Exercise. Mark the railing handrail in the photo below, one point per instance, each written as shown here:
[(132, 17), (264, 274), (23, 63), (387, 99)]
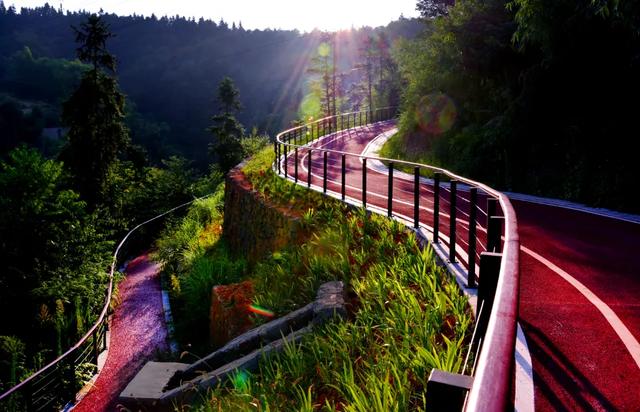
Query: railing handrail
[(105, 308), (491, 390)]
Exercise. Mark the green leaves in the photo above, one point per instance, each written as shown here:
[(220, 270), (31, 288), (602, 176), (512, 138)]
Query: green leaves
[(407, 314)]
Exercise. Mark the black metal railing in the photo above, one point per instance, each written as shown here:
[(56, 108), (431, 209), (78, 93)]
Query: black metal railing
[(57, 383), (441, 205)]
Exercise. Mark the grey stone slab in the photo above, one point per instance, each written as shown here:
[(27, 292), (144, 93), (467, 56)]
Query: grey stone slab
[(247, 363), (330, 302), (147, 385), (246, 343)]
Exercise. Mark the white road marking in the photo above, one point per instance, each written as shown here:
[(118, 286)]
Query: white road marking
[(618, 326), (525, 394)]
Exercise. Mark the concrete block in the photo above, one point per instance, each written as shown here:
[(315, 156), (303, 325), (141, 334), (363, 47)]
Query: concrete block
[(330, 302), (147, 386)]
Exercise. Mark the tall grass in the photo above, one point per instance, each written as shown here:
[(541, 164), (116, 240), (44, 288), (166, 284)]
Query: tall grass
[(406, 315), (195, 259)]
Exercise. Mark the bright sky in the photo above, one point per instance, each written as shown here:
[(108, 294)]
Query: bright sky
[(303, 15)]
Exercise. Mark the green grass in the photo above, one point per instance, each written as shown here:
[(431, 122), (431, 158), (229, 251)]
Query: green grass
[(195, 259), (406, 315)]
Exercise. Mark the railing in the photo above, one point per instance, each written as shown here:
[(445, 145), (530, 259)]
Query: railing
[(452, 204), (56, 384)]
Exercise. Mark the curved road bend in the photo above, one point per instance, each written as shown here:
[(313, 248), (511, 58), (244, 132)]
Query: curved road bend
[(138, 330), (580, 282)]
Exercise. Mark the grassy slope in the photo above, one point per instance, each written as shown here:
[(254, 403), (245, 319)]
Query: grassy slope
[(406, 317)]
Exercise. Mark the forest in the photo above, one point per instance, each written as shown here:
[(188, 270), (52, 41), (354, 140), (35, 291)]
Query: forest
[(169, 68), (106, 121)]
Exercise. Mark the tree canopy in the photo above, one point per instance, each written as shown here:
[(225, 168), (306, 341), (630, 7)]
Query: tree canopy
[(537, 93), (94, 115)]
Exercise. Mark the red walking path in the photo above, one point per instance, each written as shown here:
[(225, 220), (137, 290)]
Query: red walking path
[(138, 330), (580, 282)]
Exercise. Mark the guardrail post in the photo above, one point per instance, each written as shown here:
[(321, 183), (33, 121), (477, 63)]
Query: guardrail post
[(494, 233), (452, 220), (364, 182), (447, 391), (416, 197), (309, 169), (436, 207), (341, 122), (96, 345), (390, 195), (104, 334), (28, 396), (473, 201), (492, 204), (71, 375), (285, 161), (295, 167), (344, 173), (489, 273), (277, 149), (324, 174), (360, 118)]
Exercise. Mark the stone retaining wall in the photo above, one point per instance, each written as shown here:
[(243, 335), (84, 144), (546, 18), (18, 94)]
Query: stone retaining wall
[(253, 226)]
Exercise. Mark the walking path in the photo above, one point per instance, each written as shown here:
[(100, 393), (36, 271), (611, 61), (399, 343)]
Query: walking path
[(580, 289), (138, 331)]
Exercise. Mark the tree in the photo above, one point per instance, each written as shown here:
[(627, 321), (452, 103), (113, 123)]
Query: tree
[(94, 114), (226, 129), (434, 8), (323, 66), (380, 79), (50, 250)]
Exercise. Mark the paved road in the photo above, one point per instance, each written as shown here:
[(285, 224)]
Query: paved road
[(580, 282), (138, 331)]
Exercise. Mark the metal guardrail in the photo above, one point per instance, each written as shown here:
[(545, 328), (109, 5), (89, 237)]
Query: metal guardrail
[(494, 245), (53, 386)]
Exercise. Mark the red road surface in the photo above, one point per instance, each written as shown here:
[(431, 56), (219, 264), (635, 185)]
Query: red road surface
[(579, 361), (138, 331)]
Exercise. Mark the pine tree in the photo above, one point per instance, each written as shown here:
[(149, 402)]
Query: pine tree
[(226, 129), (323, 66), (94, 114)]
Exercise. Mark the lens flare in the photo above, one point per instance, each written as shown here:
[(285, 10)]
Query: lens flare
[(436, 113), (324, 49), (260, 311), (310, 105), (240, 381)]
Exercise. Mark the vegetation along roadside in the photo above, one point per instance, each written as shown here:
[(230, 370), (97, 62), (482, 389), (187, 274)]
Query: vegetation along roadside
[(406, 315)]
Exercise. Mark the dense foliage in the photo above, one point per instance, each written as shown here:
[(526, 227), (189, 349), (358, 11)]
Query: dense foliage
[(53, 255), (533, 96)]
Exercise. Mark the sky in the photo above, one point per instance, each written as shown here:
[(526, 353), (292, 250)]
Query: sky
[(303, 15)]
